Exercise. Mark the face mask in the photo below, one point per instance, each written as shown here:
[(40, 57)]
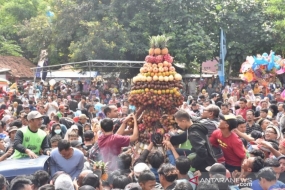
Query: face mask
[(9, 108), (57, 131)]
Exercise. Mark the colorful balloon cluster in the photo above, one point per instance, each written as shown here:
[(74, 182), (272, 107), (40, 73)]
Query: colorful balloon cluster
[(262, 67)]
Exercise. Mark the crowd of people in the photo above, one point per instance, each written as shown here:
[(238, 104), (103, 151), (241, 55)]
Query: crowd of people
[(225, 137)]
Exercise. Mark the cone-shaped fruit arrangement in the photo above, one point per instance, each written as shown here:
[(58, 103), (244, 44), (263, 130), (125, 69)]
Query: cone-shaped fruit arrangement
[(157, 86)]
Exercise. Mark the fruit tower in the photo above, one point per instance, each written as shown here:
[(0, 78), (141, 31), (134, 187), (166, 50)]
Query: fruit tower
[(157, 89)]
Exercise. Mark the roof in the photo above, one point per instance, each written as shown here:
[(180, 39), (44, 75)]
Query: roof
[(19, 66)]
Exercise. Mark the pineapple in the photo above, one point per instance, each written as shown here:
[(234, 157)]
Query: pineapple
[(157, 50), (100, 166), (164, 49), (152, 45)]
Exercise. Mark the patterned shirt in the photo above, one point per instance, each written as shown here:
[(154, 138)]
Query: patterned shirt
[(255, 126)]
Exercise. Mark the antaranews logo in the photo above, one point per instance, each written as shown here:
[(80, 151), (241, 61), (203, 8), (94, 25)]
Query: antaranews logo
[(245, 182)]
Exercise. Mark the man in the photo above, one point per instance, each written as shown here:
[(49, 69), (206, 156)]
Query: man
[(183, 165), (26, 108), (60, 112), (88, 139), (192, 87), (110, 144), (42, 111), (21, 183), (195, 110), (90, 112), (125, 110), (67, 159), (225, 109), (111, 111), (275, 166), (278, 97), (242, 110), (82, 103), (229, 142), (9, 140), (214, 98), (82, 119), (267, 179), (97, 106), (250, 166), (31, 140), (280, 114), (146, 180), (198, 137), (250, 124)]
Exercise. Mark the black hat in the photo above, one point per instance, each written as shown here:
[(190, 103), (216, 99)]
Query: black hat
[(88, 135), (76, 143), (230, 119)]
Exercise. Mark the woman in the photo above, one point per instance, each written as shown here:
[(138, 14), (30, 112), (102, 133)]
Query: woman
[(86, 127), (263, 123), (71, 130), (55, 130)]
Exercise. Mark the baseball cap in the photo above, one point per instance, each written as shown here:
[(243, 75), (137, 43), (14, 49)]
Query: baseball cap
[(88, 135), (217, 168), (76, 143), (83, 116), (139, 168), (230, 119), (34, 115)]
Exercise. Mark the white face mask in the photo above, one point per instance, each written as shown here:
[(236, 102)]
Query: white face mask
[(57, 131)]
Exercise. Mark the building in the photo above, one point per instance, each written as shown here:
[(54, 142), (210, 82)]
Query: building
[(15, 68)]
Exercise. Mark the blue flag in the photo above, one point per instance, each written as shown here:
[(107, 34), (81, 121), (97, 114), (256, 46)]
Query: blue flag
[(223, 52)]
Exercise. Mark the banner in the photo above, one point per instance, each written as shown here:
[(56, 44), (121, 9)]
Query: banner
[(223, 52)]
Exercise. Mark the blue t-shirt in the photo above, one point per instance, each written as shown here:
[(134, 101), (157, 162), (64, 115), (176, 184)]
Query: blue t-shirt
[(2, 136), (256, 185)]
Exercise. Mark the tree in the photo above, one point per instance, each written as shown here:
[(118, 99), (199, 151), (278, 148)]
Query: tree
[(275, 11)]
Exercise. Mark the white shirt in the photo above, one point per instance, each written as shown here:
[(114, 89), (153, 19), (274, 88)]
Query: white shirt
[(52, 108)]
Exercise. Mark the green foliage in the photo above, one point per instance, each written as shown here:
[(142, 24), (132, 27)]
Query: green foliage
[(83, 30), (9, 47), (275, 11)]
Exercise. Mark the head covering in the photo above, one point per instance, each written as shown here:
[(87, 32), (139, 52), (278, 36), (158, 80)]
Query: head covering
[(64, 182), (14, 128), (34, 115), (76, 143), (83, 116), (139, 168), (230, 119), (276, 130), (133, 186)]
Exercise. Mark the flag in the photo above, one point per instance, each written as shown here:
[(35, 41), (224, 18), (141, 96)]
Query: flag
[(223, 52)]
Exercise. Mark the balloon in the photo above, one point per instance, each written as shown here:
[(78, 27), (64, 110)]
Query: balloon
[(52, 82)]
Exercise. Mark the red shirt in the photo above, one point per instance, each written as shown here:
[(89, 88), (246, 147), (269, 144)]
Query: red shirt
[(110, 147), (232, 147), (241, 112)]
